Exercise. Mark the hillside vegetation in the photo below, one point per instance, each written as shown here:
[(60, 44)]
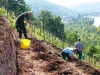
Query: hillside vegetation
[(74, 27), (92, 8), (67, 31), (39, 5)]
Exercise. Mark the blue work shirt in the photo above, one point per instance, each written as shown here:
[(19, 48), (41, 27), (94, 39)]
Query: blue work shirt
[(68, 50)]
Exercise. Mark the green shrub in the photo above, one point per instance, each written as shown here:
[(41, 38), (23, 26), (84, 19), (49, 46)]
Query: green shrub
[(3, 12)]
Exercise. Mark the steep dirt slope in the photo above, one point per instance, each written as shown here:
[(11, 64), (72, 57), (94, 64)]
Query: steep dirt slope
[(43, 58), (7, 49)]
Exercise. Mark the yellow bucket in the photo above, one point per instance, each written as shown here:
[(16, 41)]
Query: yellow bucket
[(25, 43)]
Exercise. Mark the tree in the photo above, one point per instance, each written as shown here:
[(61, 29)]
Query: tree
[(56, 27), (97, 56), (92, 50), (17, 6), (44, 16), (71, 38), (52, 23)]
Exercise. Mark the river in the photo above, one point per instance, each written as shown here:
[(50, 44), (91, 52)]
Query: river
[(96, 21)]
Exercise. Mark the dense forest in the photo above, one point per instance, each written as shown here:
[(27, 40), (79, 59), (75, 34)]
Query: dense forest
[(67, 30)]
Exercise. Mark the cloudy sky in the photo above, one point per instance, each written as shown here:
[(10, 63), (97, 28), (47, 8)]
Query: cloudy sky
[(70, 2)]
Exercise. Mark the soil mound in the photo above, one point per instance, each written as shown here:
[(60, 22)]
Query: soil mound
[(53, 66), (7, 49), (89, 69), (45, 59), (37, 47)]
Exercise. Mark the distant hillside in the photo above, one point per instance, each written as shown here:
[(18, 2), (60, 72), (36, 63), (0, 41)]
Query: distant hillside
[(38, 5), (87, 7)]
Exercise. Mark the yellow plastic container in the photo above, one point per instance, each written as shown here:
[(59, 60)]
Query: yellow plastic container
[(25, 43)]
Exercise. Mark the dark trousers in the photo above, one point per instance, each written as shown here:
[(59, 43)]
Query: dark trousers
[(79, 54), (64, 55), (21, 29)]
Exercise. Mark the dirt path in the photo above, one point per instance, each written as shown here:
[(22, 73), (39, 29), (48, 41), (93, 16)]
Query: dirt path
[(44, 58)]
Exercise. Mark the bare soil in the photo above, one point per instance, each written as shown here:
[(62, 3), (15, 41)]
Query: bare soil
[(43, 58)]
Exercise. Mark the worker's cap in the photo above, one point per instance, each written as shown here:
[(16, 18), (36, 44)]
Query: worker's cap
[(30, 13), (78, 39)]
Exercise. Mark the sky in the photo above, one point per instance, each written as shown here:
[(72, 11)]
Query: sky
[(67, 3)]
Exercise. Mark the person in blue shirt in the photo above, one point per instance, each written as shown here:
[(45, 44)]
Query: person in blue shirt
[(20, 25), (68, 52)]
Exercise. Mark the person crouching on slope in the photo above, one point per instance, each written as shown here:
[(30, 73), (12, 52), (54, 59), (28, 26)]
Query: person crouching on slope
[(68, 52)]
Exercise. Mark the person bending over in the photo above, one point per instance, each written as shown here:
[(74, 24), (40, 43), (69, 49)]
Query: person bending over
[(68, 52), (20, 25)]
